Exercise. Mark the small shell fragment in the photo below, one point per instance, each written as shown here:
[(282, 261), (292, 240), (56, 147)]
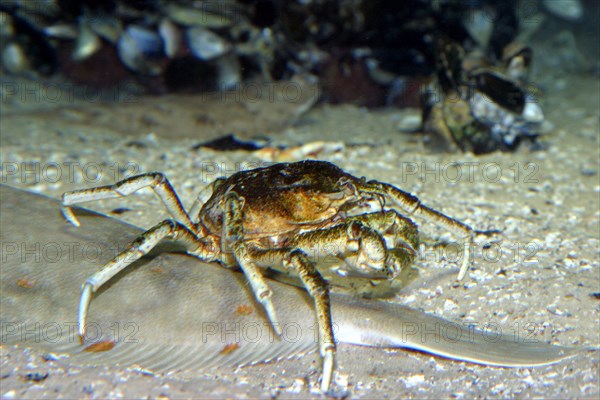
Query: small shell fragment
[(61, 31), (7, 28), (410, 121), (571, 10), (533, 113), (295, 153), (25, 283), (104, 345), (480, 24), (171, 37), (244, 309), (107, 28), (205, 44), (139, 48), (229, 348), (230, 71), (196, 17), (14, 59), (87, 43)]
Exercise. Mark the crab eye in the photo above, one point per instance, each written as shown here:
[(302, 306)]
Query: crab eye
[(348, 188)]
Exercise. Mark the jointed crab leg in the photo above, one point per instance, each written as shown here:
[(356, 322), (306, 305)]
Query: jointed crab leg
[(297, 260), (413, 205), (318, 289), (155, 180), (136, 250)]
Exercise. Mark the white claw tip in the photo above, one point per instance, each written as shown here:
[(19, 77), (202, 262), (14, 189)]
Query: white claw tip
[(327, 372), (67, 213), (86, 297)]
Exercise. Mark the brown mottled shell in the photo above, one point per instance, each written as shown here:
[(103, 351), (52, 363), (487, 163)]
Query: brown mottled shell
[(284, 198)]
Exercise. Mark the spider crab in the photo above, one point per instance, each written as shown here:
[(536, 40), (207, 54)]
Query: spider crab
[(285, 217)]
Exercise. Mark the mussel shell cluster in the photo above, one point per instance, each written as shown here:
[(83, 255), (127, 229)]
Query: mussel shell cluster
[(480, 106), (147, 38), (370, 53), (351, 43)]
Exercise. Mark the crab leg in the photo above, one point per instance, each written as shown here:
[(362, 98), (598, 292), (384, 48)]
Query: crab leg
[(233, 236), (413, 205), (136, 250), (297, 260), (155, 180), (318, 289)]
